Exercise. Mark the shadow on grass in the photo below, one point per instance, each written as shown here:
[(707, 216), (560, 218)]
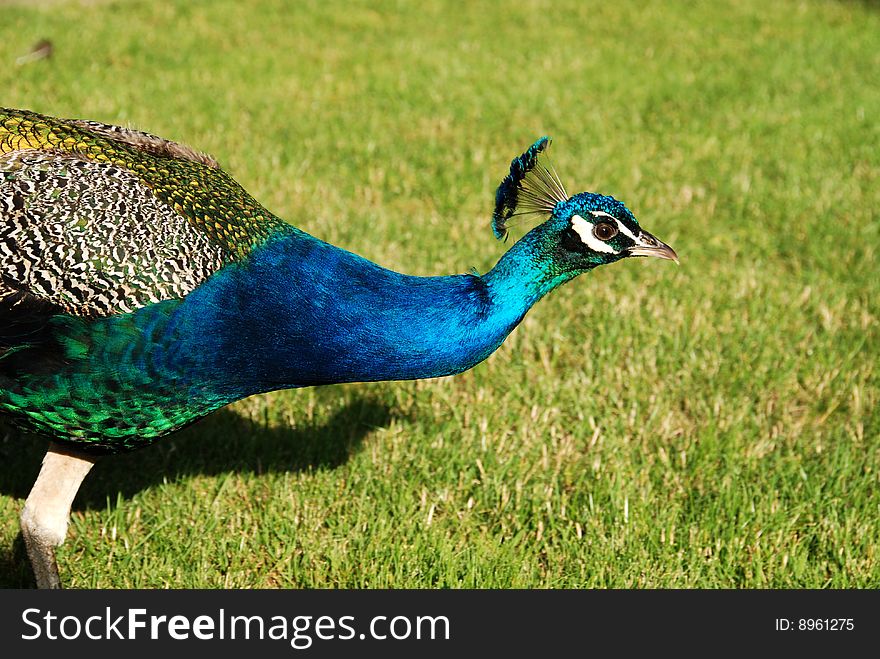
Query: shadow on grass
[(221, 443), (867, 4)]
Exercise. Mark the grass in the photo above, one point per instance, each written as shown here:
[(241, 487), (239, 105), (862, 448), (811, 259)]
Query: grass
[(714, 425)]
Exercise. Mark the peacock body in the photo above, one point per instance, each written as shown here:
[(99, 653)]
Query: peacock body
[(142, 288)]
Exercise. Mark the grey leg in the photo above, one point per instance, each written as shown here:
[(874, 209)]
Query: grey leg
[(46, 512)]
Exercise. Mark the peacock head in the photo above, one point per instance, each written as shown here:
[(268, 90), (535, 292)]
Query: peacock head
[(589, 229)]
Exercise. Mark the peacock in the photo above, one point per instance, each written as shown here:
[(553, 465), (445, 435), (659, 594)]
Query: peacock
[(142, 288)]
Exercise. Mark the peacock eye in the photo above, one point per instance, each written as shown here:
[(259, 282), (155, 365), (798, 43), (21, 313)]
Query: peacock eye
[(604, 231)]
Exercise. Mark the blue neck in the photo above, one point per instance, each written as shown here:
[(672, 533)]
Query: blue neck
[(525, 274), (301, 312)]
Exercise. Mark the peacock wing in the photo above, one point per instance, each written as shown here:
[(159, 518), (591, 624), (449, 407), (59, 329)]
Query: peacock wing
[(98, 219)]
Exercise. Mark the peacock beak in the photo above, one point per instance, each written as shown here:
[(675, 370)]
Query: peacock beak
[(648, 245)]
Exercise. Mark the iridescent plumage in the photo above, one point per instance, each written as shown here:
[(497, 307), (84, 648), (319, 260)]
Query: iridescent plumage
[(142, 288)]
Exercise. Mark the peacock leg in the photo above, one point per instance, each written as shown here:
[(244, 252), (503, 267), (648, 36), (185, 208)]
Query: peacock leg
[(46, 512)]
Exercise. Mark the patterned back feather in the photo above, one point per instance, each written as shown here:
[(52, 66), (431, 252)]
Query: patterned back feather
[(98, 219)]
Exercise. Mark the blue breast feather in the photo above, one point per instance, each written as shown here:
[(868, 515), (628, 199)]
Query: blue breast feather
[(301, 312)]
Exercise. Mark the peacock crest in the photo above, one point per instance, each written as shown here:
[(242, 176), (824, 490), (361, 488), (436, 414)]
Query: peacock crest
[(531, 188)]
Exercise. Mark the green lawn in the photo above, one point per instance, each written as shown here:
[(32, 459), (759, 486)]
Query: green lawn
[(713, 425)]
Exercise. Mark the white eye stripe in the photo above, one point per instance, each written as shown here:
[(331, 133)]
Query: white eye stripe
[(620, 226), (585, 230), (602, 214)]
